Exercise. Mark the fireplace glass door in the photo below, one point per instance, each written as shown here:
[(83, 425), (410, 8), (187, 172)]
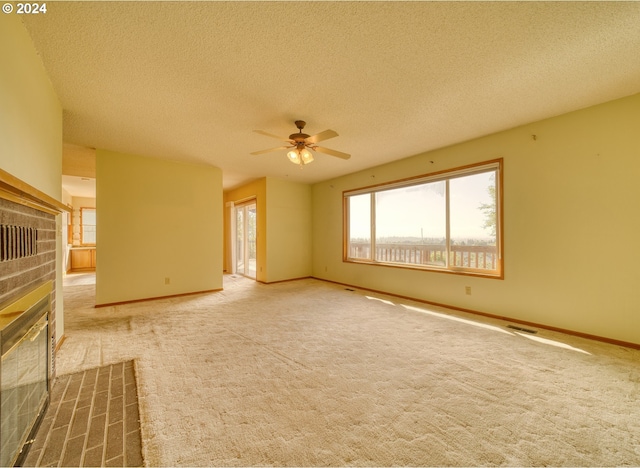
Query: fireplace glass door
[(24, 380)]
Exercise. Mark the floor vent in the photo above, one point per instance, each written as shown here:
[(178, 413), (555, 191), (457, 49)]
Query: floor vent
[(526, 330)]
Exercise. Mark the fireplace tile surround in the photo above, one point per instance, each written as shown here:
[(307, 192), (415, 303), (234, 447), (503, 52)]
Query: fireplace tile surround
[(19, 275)]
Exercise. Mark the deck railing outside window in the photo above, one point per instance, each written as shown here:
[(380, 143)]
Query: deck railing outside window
[(483, 257)]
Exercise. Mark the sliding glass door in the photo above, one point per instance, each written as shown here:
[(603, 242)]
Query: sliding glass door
[(245, 242)]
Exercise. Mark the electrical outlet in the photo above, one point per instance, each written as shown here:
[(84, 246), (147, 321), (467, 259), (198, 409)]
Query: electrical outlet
[(467, 290), (167, 281)]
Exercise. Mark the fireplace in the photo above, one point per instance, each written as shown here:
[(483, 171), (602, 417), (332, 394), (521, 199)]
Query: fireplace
[(24, 370), (28, 337)]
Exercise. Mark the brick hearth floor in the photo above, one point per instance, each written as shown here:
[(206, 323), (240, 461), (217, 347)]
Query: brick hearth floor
[(92, 420)]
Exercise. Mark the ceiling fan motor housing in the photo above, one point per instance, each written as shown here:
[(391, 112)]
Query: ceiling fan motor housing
[(299, 137)]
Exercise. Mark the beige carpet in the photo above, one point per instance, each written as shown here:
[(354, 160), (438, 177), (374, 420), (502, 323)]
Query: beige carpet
[(307, 373)]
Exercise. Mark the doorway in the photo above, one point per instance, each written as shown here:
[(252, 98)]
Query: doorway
[(245, 239)]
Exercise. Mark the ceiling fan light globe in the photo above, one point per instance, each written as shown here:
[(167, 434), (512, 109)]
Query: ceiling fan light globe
[(294, 157), (306, 156)]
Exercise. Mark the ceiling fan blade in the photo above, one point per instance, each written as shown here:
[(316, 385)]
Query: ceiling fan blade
[(255, 153), (335, 153), (261, 132), (321, 136)]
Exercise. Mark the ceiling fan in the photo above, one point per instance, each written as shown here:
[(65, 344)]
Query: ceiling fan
[(300, 143)]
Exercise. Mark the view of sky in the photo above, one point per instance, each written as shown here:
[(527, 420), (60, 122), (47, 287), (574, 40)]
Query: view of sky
[(420, 211)]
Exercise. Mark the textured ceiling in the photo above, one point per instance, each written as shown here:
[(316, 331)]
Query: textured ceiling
[(79, 169), (79, 186), (78, 161), (189, 81)]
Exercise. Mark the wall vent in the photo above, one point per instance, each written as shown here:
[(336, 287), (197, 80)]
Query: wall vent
[(17, 242)]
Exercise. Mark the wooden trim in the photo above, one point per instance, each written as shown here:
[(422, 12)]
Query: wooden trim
[(59, 342), (284, 281), (245, 201), (428, 174), (133, 301), (345, 228), (432, 269), (22, 201), (500, 216), (18, 191), (626, 344)]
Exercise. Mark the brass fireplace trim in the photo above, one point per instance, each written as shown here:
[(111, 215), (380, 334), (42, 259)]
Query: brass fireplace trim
[(12, 310)]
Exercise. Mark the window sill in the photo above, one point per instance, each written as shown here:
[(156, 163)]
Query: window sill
[(494, 274)]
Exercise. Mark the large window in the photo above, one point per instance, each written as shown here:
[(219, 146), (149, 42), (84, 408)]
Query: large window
[(449, 221)]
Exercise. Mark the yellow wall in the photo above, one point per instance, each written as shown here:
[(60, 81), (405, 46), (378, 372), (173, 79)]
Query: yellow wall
[(66, 240), (283, 228), (288, 230), (571, 224), (156, 219), (30, 126), (31, 117)]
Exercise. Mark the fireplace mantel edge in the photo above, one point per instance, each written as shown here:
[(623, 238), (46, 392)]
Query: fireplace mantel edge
[(18, 191)]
